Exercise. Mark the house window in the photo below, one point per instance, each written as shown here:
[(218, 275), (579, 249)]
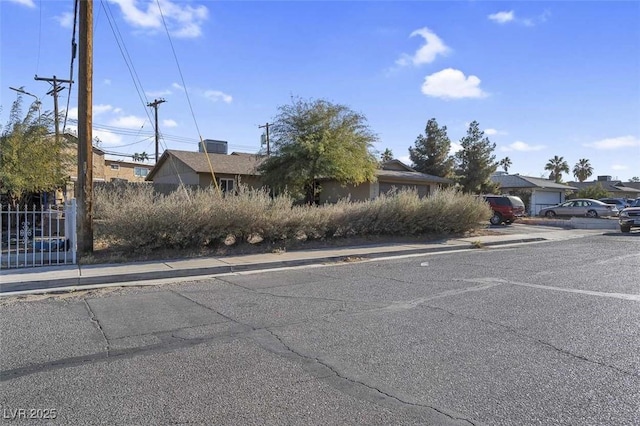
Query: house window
[(115, 167), (140, 171), (226, 185)]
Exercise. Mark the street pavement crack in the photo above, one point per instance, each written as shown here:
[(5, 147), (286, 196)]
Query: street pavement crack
[(369, 387), (235, 321), (96, 322), (516, 332)]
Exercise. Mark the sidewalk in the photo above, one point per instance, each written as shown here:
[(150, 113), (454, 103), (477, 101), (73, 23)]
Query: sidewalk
[(75, 277)]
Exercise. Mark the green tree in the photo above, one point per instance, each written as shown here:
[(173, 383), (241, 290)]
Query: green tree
[(475, 162), (143, 156), (430, 152), (582, 170), (318, 139), (592, 191), (557, 165), (505, 163), (31, 159), (387, 155), (635, 179)]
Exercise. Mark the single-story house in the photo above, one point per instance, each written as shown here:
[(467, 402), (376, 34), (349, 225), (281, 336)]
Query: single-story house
[(615, 188), (393, 174), (542, 192), (194, 169)]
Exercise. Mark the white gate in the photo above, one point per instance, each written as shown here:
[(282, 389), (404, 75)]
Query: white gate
[(38, 237)]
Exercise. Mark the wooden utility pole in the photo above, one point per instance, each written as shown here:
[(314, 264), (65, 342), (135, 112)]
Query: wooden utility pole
[(266, 126), (55, 82), (154, 105), (84, 188)]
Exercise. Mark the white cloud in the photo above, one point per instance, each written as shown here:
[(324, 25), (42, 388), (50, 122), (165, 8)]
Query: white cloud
[(65, 20), (615, 143), (129, 122), (106, 82), (452, 84), (455, 147), (493, 132), (169, 123), (216, 95), (72, 113), (427, 53), (619, 167), (502, 17), (183, 20), (522, 146), (510, 16), (101, 109), (406, 160), (107, 138), (28, 3)]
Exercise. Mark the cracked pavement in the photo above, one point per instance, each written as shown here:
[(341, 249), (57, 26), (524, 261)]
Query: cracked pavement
[(543, 333)]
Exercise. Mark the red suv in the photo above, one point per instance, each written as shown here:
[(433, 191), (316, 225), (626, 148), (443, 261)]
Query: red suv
[(506, 208)]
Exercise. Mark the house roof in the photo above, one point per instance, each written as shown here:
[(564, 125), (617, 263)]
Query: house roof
[(519, 181), (246, 164), (396, 169), (608, 185), (411, 176), (236, 163)]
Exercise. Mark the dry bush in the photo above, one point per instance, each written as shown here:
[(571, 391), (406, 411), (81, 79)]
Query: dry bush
[(136, 218)]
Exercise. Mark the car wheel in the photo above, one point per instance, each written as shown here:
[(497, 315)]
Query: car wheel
[(592, 213), (550, 213), (496, 219), (625, 229)]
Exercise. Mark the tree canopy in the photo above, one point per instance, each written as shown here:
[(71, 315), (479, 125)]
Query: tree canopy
[(387, 155), (31, 159), (582, 170), (475, 162), (505, 163), (430, 152), (318, 139), (557, 165)]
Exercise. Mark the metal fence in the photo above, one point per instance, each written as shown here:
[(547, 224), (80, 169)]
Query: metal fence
[(38, 237)]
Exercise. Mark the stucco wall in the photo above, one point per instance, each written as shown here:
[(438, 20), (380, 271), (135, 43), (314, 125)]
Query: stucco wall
[(124, 171), (332, 192), (167, 173)]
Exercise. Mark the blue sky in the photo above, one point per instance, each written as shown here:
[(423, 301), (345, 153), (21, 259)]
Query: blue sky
[(542, 78)]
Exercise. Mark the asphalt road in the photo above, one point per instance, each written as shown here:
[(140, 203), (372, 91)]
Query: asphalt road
[(545, 333)]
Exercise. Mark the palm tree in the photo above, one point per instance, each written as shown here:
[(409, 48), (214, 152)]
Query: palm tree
[(505, 163), (387, 155), (140, 157), (582, 170), (557, 165)]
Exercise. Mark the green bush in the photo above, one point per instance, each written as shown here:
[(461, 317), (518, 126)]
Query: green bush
[(137, 218)]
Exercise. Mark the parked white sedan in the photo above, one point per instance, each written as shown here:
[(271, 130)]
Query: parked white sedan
[(580, 207)]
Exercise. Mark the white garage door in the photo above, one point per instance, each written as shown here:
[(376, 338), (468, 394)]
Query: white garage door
[(542, 199)]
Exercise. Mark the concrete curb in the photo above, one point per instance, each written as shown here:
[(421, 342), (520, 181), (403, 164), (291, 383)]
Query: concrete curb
[(88, 281)]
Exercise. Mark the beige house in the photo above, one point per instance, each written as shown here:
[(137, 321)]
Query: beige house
[(124, 171), (392, 175), (193, 168)]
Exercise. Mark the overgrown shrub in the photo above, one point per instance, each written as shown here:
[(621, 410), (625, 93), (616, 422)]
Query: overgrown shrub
[(137, 218)]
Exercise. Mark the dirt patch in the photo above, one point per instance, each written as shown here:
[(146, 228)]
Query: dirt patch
[(105, 254)]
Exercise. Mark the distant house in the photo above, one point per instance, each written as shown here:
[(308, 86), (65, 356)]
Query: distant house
[(125, 171), (392, 174), (194, 168), (615, 188), (541, 192)]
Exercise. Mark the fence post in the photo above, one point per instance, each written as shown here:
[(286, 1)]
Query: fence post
[(71, 231)]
